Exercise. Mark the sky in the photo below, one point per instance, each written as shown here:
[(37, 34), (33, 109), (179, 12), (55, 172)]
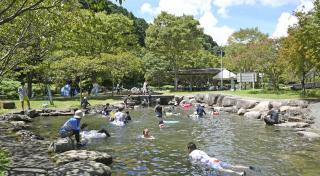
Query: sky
[(220, 18)]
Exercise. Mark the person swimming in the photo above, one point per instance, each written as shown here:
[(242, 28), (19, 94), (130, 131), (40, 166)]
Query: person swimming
[(219, 166), (161, 124), (146, 134)]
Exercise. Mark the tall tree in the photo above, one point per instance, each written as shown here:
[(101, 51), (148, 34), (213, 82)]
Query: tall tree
[(174, 38)]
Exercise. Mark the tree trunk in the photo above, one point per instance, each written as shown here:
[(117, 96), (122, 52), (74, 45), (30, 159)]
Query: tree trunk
[(303, 83), (112, 88), (29, 84), (80, 88)]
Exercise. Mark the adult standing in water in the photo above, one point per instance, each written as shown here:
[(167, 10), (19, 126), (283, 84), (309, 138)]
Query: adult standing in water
[(72, 127), (200, 111), (23, 96)]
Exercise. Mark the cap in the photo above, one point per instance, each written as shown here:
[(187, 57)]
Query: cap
[(78, 114)]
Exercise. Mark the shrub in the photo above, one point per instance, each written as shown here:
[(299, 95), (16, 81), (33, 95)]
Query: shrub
[(9, 88), (4, 161)]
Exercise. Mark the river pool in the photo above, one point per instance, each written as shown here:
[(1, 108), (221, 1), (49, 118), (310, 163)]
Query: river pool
[(231, 138)]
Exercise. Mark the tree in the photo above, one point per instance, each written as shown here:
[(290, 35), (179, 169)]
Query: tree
[(240, 56), (174, 38)]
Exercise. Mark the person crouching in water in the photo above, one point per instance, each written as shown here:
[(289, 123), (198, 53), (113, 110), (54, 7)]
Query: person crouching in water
[(72, 127), (272, 116), (221, 167), (200, 111)]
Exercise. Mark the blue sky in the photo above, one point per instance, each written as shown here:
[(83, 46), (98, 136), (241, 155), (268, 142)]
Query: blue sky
[(220, 18)]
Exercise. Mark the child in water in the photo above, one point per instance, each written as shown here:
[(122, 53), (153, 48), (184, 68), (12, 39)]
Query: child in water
[(219, 166), (146, 134)]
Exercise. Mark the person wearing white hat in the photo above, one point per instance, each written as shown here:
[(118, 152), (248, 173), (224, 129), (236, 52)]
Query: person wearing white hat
[(72, 127)]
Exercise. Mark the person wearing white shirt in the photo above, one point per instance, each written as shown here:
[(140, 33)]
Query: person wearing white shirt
[(23, 96)]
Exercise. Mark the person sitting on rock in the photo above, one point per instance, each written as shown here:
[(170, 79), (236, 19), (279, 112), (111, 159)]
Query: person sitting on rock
[(198, 156), (85, 103), (272, 116), (200, 111), (72, 127)]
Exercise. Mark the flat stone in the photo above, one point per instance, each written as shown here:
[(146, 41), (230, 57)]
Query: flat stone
[(253, 114), (293, 125), (61, 145), (295, 119), (86, 168), (78, 155), (246, 104), (241, 111), (262, 106), (229, 101)]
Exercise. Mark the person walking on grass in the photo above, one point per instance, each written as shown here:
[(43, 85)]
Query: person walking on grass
[(23, 96)]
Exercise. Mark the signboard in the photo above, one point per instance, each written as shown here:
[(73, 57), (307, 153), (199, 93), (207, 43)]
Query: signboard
[(247, 77)]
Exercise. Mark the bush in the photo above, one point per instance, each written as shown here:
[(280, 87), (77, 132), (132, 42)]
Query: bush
[(4, 161), (9, 88)]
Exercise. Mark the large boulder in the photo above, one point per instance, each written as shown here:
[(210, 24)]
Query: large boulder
[(300, 103), (295, 119), (199, 98), (245, 104), (276, 104), (241, 111), (262, 106), (230, 109), (32, 113), (82, 168), (210, 99), (78, 155), (61, 145), (293, 125), (253, 115), (284, 108), (220, 99), (294, 111), (229, 101)]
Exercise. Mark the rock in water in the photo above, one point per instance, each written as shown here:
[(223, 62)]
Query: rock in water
[(79, 155), (82, 168), (61, 145)]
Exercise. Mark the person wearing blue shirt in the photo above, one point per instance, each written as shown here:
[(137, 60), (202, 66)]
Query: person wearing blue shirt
[(72, 127), (200, 111)]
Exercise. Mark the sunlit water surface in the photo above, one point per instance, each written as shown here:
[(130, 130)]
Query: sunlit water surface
[(231, 138)]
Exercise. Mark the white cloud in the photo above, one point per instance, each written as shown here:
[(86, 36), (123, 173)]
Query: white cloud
[(276, 3), (224, 4), (285, 20), (305, 5), (147, 8), (200, 9), (220, 34)]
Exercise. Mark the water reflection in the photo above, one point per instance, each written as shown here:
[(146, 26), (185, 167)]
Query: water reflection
[(228, 137)]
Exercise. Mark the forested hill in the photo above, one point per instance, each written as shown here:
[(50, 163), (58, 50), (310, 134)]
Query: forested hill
[(110, 8)]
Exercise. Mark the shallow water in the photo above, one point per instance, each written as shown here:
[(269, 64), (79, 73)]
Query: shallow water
[(231, 138)]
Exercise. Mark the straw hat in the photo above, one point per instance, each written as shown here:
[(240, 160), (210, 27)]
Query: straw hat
[(78, 114)]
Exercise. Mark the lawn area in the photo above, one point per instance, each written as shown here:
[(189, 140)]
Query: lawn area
[(3, 161), (259, 93), (63, 103)]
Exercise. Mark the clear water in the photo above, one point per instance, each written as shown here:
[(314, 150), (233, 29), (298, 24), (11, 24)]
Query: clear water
[(231, 138)]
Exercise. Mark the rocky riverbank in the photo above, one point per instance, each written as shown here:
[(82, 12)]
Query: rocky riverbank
[(29, 154)]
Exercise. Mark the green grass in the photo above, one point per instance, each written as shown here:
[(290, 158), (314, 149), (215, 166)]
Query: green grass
[(4, 161), (63, 103), (259, 93)]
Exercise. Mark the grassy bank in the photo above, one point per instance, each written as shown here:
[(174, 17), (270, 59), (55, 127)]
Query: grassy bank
[(260, 93), (4, 161), (63, 103)]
